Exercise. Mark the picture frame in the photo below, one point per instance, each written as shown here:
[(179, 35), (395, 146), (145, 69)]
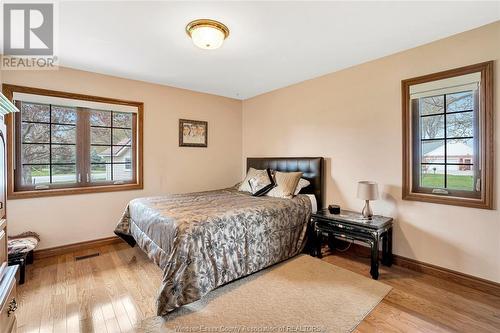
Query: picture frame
[(193, 133)]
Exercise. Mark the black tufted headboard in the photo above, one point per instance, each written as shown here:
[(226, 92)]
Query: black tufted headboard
[(311, 168)]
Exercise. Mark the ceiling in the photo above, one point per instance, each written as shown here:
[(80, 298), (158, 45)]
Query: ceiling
[(271, 45)]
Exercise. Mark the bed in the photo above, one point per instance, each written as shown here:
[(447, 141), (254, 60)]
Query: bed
[(206, 239)]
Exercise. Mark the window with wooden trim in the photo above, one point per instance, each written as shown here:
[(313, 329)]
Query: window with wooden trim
[(448, 130), (66, 143)]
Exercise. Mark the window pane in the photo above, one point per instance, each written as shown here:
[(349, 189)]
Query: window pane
[(63, 154), (63, 174), (63, 115), (459, 151), (35, 112), (122, 136), (100, 154), (100, 118), (35, 133), (432, 176), (35, 154), (35, 175), (459, 124), (100, 172), (432, 151), (100, 135), (63, 134), (121, 173), (460, 101), (430, 105), (432, 127), (460, 177), (122, 119)]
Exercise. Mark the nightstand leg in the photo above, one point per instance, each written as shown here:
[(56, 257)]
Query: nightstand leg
[(331, 242), (311, 239), (319, 236), (389, 247), (374, 258), (384, 248)]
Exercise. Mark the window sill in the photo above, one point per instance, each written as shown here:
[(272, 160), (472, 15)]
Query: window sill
[(483, 203), (71, 191)]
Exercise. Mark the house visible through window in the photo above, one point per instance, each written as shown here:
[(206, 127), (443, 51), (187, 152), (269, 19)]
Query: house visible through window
[(62, 143), (447, 130), (128, 163)]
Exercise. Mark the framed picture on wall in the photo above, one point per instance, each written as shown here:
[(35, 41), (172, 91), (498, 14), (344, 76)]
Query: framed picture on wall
[(193, 133)]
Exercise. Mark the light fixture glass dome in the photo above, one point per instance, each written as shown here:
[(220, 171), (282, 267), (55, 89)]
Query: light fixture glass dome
[(207, 34)]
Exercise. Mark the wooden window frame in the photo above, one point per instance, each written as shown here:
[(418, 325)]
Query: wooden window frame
[(15, 191), (486, 146)]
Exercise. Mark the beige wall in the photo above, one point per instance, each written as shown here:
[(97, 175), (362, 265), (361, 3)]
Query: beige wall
[(167, 167), (353, 118)]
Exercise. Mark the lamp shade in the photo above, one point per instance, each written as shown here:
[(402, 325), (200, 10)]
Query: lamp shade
[(367, 190), (207, 38)]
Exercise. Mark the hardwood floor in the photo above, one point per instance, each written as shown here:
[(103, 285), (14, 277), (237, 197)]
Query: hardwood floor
[(103, 294)]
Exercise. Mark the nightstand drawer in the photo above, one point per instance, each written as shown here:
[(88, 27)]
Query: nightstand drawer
[(339, 227)]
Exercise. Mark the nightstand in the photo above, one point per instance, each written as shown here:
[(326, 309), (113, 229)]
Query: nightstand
[(351, 226)]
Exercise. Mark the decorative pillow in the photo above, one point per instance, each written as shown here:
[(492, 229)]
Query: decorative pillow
[(262, 183), (245, 186), (286, 183), (302, 183)]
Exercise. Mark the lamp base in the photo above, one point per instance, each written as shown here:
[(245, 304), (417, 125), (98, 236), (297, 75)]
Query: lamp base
[(367, 211)]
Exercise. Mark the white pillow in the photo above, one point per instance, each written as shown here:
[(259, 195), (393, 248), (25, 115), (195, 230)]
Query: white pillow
[(302, 183)]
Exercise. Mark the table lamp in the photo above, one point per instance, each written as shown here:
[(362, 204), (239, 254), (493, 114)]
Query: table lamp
[(367, 190)]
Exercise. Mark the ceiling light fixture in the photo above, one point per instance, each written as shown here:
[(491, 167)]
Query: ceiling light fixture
[(207, 34)]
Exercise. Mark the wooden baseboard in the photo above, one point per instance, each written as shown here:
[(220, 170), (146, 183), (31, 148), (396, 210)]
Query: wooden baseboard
[(489, 287), (65, 249), (486, 286)]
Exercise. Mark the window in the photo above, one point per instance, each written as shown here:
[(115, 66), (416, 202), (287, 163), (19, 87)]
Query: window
[(64, 143), (446, 154), (447, 137)]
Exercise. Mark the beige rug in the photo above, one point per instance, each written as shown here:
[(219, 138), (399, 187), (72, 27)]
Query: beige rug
[(303, 294)]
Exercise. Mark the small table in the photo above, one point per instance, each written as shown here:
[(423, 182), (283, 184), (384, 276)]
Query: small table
[(351, 225)]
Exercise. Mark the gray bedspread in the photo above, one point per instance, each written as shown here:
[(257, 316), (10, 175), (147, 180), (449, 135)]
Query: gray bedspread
[(206, 239)]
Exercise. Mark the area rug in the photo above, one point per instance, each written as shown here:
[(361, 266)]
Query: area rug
[(303, 294)]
